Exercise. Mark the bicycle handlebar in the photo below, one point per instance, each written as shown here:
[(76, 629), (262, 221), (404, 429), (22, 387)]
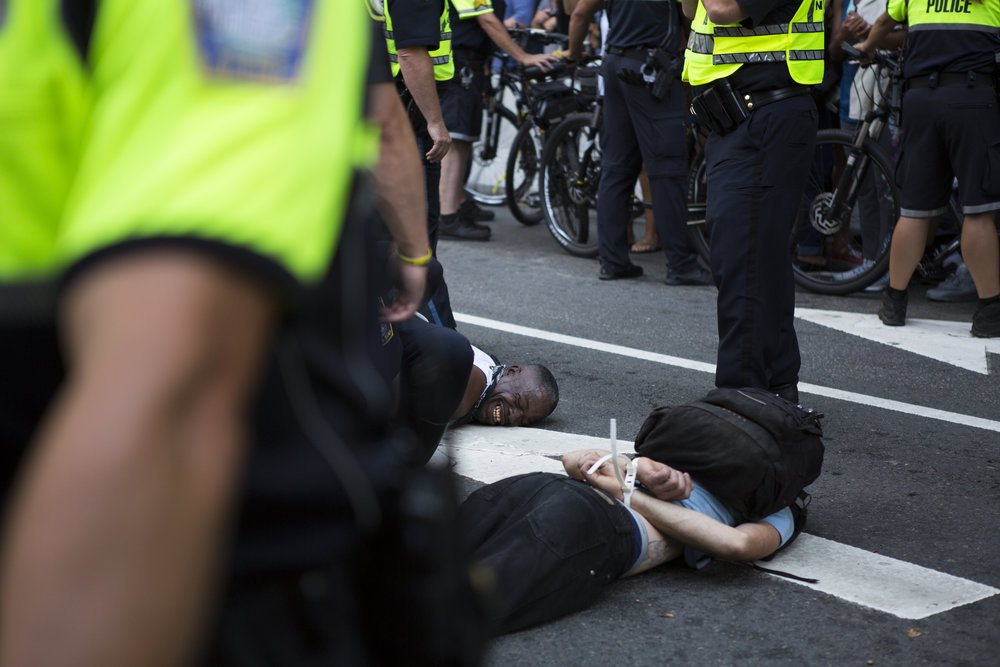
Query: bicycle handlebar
[(883, 58)]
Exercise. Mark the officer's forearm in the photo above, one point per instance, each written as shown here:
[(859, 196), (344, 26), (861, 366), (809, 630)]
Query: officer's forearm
[(398, 173), (418, 74), (689, 7), (579, 23), (495, 30), (880, 30)]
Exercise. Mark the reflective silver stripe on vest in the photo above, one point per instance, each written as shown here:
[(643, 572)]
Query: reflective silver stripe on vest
[(772, 29), (765, 57), (445, 36), (955, 26), (699, 42), (440, 60)]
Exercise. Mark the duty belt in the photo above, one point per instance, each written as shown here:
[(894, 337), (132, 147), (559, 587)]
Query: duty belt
[(635, 52), (721, 108), (970, 79)]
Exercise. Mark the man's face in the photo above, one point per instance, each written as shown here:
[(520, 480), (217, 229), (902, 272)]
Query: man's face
[(516, 400)]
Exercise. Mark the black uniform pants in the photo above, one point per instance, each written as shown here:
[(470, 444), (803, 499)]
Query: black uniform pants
[(756, 176), (639, 129)]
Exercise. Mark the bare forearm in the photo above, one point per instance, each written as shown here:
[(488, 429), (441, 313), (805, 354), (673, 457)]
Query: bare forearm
[(418, 74), (579, 25), (398, 174), (745, 542), (496, 32), (689, 7), (113, 542), (880, 30)]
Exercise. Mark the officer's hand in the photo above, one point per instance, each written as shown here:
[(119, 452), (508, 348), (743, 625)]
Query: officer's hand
[(543, 61), (410, 283), (664, 482), (853, 27), (442, 141)]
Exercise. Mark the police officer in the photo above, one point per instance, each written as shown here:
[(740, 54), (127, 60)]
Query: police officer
[(951, 128), (475, 28), (205, 198), (644, 122), (750, 64), (418, 39)]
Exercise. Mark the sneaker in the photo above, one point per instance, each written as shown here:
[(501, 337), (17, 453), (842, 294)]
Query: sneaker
[(470, 210), (463, 230), (694, 276), (986, 321), (879, 285), (893, 310), (847, 256), (956, 287), (630, 271)]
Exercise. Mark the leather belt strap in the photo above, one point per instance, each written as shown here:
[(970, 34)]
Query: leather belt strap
[(970, 79), (636, 53), (761, 98)]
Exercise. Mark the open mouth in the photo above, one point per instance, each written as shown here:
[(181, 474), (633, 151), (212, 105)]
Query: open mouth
[(497, 414)]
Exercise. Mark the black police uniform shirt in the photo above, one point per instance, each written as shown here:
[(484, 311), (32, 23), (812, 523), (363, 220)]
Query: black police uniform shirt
[(952, 50), (466, 33), (639, 23), (416, 23)]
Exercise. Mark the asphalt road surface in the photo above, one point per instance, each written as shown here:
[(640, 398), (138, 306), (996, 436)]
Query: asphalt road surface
[(904, 526)]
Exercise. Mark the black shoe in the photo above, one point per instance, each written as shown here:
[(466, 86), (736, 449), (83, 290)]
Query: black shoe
[(463, 230), (470, 210), (986, 321), (630, 271), (694, 276), (893, 310)]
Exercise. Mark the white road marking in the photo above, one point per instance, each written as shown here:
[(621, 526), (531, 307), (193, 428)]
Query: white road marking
[(804, 387), (941, 340), (905, 590)]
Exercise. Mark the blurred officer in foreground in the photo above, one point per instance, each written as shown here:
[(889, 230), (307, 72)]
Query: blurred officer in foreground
[(750, 64), (951, 128), (215, 300)]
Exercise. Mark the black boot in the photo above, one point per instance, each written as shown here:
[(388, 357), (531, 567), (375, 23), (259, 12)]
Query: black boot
[(893, 310)]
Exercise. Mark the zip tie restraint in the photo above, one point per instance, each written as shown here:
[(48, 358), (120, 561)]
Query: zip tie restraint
[(627, 483)]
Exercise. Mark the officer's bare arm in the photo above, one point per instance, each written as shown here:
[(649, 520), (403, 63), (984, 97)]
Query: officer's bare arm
[(418, 74), (579, 25), (400, 190), (724, 12), (492, 26), (880, 30)]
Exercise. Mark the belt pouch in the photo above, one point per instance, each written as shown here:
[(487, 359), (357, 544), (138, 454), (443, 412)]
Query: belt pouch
[(719, 109)]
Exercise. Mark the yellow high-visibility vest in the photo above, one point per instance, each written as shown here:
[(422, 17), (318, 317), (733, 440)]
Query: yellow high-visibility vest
[(716, 51)]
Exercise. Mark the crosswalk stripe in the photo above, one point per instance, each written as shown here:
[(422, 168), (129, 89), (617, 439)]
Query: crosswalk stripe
[(872, 580)]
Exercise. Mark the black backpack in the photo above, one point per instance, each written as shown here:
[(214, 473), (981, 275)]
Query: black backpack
[(752, 449)]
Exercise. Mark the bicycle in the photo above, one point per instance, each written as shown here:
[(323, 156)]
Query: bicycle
[(851, 191), (503, 114), (545, 104)]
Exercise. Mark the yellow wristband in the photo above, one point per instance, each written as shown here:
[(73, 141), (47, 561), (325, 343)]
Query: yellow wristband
[(423, 260)]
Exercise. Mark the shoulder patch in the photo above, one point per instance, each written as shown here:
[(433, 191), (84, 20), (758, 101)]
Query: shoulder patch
[(258, 40)]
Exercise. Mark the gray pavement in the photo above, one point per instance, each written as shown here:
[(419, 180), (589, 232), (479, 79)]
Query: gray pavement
[(915, 488)]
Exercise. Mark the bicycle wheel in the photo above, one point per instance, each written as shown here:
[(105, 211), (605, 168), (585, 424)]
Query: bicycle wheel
[(697, 197), (487, 166), (523, 197), (850, 204), (571, 166)]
